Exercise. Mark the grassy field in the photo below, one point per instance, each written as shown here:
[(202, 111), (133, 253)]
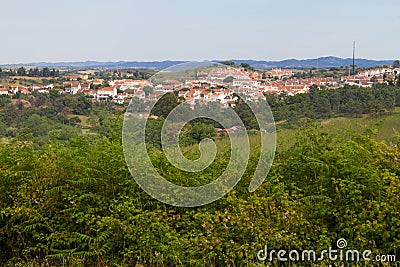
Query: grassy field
[(390, 127), (84, 120), (25, 81), (3, 82), (385, 129)]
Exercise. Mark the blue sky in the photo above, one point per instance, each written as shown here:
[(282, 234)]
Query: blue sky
[(48, 30)]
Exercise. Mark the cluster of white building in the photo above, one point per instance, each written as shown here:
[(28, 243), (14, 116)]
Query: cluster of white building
[(215, 85)]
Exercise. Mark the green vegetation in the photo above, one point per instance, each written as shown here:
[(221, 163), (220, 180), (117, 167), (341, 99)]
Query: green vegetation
[(68, 199), (75, 204), (350, 101), (35, 72), (45, 117)]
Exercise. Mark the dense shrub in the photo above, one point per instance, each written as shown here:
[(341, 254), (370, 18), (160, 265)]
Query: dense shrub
[(75, 204)]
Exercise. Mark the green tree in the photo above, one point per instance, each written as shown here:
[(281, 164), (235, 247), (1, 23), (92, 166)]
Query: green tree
[(246, 115), (228, 79), (4, 100), (54, 93), (198, 132), (165, 105), (246, 66), (21, 71), (34, 72), (45, 72), (148, 90), (375, 108), (39, 126), (228, 63)]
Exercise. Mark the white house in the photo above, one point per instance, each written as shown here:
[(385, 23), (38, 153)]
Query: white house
[(106, 92), (3, 91)]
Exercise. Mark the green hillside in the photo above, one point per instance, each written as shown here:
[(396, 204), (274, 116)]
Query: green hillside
[(67, 197)]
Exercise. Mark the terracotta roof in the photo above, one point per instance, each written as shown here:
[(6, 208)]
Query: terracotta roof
[(107, 89)]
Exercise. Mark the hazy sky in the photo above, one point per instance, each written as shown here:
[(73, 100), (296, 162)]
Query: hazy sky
[(80, 30)]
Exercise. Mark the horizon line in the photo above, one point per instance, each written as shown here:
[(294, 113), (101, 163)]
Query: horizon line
[(186, 60)]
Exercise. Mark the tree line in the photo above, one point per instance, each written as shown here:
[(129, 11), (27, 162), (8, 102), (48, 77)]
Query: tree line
[(35, 72), (350, 101)]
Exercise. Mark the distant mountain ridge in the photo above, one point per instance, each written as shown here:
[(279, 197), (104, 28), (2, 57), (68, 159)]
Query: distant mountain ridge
[(99, 64), (321, 62)]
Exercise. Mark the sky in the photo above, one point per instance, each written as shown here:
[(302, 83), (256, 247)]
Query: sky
[(131, 30)]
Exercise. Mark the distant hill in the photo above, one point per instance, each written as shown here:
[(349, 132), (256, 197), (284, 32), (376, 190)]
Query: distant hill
[(322, 62), (105, 65)]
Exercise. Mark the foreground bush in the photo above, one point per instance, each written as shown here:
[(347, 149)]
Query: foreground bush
[(75, 204)]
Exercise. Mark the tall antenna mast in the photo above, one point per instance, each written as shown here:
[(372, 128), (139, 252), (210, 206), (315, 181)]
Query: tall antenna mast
[(354, 50)]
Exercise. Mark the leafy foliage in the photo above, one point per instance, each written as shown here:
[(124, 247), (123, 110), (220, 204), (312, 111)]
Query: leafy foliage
[(75, 203), (68, 199)]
